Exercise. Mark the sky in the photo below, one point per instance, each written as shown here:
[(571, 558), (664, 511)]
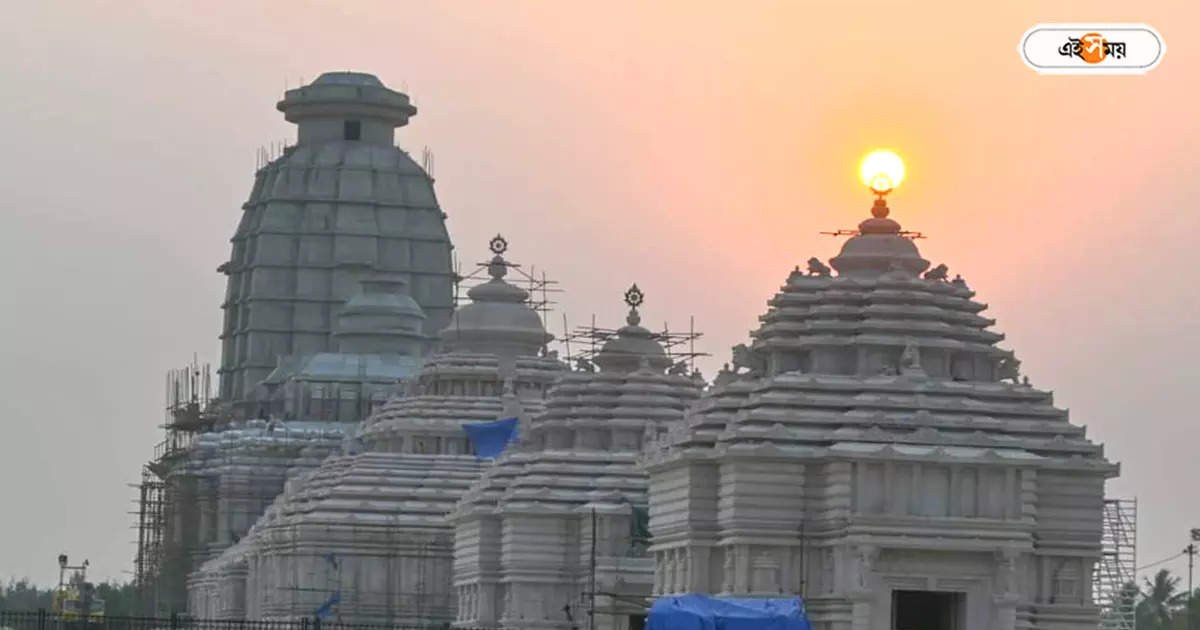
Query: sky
[(694, 148)]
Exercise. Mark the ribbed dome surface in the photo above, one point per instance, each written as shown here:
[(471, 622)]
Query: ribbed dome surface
[(324, 215)]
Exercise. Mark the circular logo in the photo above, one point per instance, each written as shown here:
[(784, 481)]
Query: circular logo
[(1092, 48)]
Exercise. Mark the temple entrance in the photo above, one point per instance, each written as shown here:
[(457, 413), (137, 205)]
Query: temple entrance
[(928, 610)]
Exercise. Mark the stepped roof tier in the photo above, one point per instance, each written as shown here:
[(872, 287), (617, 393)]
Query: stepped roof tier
[(579, 454), (378, 510), (874, 411)]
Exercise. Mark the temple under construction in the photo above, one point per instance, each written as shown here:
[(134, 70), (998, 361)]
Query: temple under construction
[(381, 449)]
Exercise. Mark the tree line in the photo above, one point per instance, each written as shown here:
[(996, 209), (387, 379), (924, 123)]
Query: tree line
[(1160, 603), (120, 600)]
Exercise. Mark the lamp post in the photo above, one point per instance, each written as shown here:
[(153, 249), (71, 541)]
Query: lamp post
[(1190, 550), (61, 596)]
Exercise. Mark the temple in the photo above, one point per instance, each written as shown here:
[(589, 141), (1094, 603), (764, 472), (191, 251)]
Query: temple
[(873, 450), (339, 280), (383, 451), (366, 531), (550, 536)]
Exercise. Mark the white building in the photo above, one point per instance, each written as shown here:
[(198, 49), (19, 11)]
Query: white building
[(551, 523), (365, 534), (341, 204), (875, 452)]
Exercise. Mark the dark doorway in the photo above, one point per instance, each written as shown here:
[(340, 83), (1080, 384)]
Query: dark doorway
[(352, 130), (928, 610), (637, 622)]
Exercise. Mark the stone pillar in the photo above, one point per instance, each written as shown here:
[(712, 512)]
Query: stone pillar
[(698, 566), (1005, 594), (741, 571), (860, 610), (860, 590)]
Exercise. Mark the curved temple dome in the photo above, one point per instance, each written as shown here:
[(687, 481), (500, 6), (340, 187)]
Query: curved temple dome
[(339, 206)]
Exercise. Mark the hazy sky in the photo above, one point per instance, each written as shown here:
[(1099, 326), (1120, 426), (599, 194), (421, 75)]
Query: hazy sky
[(690, 147)]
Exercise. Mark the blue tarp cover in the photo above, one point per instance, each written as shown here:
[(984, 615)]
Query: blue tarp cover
[(490, 438), (701, 612)]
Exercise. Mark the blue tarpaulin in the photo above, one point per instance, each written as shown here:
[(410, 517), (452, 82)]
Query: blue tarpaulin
[(327, 607), (490, 438), (701, 612)]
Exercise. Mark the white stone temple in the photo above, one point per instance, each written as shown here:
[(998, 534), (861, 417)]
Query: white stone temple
[(548, 535), (366, 533), (342, 203), (871, 449), (874, 451), (340, 277)]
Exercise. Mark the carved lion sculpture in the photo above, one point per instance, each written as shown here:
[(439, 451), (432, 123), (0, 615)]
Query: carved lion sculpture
[(817, 268), (939, 273), (744, 357), (1009, 368)]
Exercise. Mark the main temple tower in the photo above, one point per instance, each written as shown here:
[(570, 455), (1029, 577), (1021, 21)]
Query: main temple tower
[(874, 451), (341, 204)]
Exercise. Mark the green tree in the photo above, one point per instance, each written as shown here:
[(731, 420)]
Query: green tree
[(1160, 602), (24, 595), (120, 600)]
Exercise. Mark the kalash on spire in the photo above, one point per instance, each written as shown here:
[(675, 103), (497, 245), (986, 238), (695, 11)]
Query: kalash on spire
[(879, 245)]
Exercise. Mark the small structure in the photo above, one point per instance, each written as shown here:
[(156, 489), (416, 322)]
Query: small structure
[(864, 453), (549, 535), (379, 344)]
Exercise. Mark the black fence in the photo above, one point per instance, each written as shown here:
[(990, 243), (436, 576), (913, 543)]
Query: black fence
[(47, 620)]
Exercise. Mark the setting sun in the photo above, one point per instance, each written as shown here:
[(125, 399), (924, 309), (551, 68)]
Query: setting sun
[(882, 170)]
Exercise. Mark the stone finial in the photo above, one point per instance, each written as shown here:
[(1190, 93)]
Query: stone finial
[(958, 281), (634, 298), (498, 245)]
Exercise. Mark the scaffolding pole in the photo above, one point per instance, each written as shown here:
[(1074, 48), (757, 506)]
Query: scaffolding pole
[(1115, 577)]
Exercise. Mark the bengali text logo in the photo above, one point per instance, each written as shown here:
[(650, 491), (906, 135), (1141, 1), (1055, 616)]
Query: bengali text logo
[(1092, 48)]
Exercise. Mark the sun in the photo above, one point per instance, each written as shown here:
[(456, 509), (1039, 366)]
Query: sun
[(882, 170)]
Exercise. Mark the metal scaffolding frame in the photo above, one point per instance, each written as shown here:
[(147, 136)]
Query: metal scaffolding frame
[(1114, 574)]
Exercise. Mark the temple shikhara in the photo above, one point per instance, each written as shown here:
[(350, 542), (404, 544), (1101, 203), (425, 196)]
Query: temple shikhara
[(394, 443)]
